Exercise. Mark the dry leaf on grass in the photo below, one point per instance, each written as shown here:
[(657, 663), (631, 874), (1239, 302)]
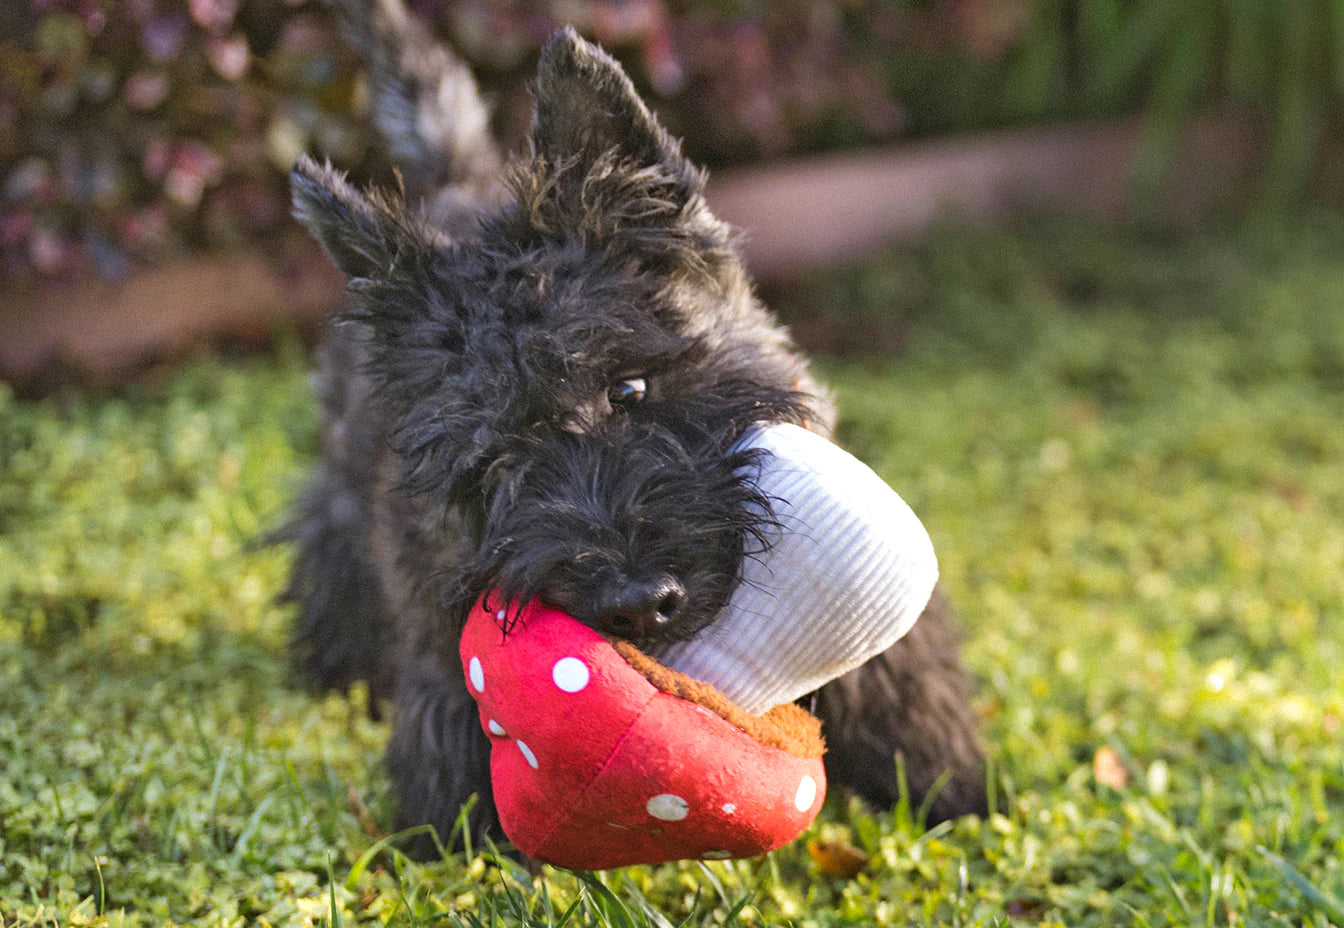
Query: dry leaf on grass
[(1109, 769), (838, 858)]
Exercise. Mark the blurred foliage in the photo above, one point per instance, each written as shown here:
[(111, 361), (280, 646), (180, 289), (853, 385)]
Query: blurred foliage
[(132, 129), (1280, 61)]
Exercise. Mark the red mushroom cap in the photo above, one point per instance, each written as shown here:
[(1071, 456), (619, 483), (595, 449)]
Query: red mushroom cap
[(594, 767)]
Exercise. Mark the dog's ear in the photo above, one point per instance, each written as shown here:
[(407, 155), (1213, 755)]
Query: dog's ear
[(587, 109), (362, 234)]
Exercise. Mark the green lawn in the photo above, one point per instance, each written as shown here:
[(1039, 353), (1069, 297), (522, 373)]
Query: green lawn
[(1129, 451)]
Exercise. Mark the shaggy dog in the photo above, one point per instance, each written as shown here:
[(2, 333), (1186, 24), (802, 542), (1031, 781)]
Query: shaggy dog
[(536, 386)]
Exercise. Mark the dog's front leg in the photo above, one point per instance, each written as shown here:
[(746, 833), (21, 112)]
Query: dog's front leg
[(438, 756), (913, 701)]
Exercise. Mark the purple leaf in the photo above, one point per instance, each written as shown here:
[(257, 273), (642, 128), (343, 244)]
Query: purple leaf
[(162, 36)]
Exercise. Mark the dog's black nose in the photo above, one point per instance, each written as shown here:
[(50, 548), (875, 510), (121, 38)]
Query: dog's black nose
[(640, 609)]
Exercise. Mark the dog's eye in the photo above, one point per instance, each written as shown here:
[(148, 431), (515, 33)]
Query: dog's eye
[(628, 392)]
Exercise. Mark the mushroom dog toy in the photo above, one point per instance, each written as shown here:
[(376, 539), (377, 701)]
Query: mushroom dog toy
[(594, 765), (604, 756)]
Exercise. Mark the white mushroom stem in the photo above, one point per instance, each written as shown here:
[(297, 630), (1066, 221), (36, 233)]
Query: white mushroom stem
[(848, 572)]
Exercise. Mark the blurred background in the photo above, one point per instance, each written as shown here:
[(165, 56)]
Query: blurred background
[(1074, 270), (148, 134)]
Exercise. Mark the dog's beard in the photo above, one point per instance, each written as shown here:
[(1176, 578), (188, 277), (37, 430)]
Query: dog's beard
[(578, 514)]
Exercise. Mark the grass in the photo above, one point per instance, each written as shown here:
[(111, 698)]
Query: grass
[(1128, 450)]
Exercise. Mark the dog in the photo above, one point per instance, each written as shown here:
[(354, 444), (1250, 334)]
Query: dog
[(536, 387)]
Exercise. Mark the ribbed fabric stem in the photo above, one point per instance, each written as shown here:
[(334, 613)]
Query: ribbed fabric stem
[(847, 575)]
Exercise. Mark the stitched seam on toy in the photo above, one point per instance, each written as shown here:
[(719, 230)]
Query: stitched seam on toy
[(615, 749)]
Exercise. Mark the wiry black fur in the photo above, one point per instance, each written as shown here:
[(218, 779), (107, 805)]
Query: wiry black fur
[(471, 439)]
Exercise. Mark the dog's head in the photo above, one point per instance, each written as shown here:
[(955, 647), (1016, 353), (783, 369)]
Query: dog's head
[(571, 375)]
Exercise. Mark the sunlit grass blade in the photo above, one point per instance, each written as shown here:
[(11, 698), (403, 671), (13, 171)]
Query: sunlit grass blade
[(1328, 905)]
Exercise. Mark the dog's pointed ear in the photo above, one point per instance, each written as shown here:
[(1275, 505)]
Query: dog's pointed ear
[(587, 109), (361, 235)]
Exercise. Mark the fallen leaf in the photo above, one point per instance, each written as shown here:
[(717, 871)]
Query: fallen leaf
[(838, 858), (1108, 769)]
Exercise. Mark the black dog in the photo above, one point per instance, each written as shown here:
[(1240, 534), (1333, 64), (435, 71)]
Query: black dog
[(537, 387)]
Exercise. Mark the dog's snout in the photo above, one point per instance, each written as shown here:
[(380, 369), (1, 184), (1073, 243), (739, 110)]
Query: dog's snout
[(640, 609)]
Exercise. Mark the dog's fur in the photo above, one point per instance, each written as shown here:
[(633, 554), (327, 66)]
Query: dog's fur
[(484, 426)]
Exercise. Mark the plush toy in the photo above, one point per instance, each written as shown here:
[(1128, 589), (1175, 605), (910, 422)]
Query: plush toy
[(603, 756)]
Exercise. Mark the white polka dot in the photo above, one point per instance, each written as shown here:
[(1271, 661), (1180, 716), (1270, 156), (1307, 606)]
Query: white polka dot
[(477, 674), (501, 615), (570, 674), (496, 729), (716, 855), (528, 755), (668, 807), (729, 808), (806, 795)]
